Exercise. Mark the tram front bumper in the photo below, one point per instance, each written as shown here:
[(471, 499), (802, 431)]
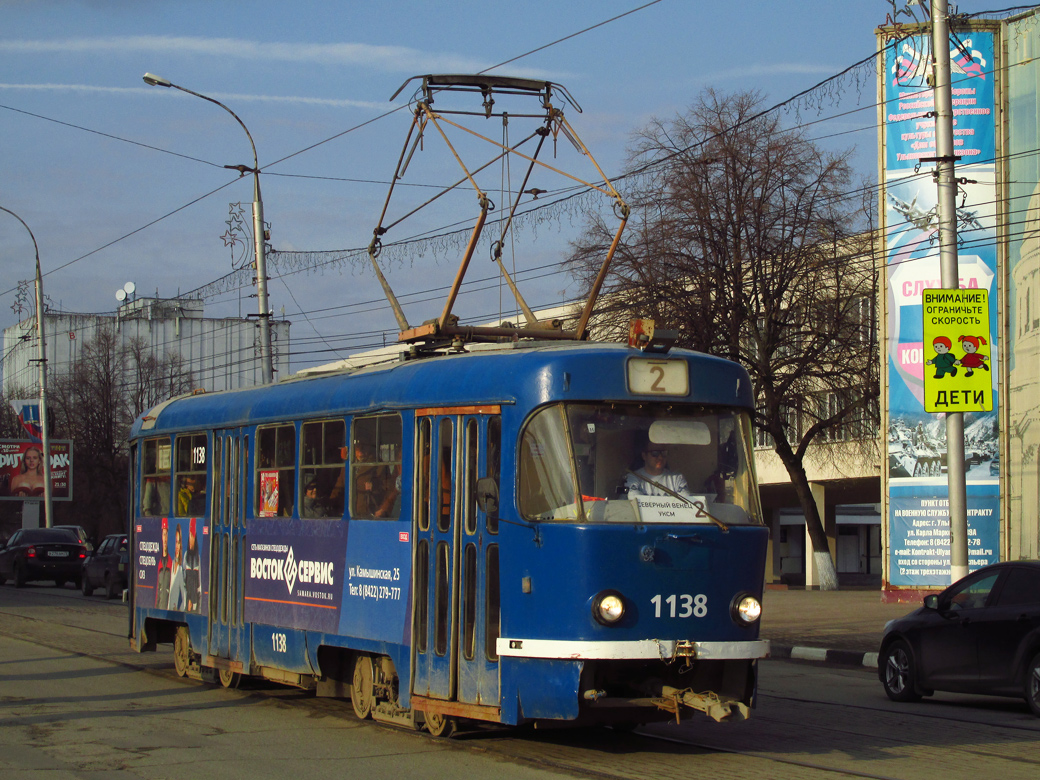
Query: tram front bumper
[(641, 649)]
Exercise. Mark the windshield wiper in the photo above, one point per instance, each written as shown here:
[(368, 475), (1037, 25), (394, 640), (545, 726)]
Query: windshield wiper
[(701, 511)]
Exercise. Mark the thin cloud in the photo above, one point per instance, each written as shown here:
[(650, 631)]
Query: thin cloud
[(230, 96), (393, 59)]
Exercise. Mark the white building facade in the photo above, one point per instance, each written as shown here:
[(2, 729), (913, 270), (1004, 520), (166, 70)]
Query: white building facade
[(221, 353)]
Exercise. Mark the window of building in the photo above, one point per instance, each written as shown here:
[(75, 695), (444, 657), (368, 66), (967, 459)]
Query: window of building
[(155, 474), (322, 468), (375, 467), (191, 475), (275, 470)]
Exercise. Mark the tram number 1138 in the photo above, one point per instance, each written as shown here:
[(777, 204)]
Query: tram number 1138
[(683, 605)]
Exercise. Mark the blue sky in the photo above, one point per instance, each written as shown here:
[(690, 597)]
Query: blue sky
[(77, 123)]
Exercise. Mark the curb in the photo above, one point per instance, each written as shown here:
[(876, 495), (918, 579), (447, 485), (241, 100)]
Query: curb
[(821, 654)]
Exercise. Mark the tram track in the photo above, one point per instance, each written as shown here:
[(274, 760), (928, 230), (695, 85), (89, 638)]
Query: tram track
[(65, 621)]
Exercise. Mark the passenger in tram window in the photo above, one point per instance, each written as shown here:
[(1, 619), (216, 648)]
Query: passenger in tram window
[(312, 506), (390, 506), (192, 571), (641, 482), (186, 496), (156, 496), (162, 582), (178, 593), (369, 482)]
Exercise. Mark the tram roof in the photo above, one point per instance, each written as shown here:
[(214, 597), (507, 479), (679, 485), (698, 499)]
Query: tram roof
[(525, 374)]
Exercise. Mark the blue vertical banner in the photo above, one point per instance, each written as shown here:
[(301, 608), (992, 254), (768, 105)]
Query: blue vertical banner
[(918, 553)]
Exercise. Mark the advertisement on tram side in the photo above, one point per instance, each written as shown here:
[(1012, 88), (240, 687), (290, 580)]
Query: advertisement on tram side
[(172, 563)]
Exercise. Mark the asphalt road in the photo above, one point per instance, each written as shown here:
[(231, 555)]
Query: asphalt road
[(76, 703)]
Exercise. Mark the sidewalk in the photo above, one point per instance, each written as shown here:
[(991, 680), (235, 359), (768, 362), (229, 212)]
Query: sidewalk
[(842, 626)]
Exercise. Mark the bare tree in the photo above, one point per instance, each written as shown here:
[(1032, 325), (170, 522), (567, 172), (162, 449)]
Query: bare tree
[(95, 404), (742, 238)]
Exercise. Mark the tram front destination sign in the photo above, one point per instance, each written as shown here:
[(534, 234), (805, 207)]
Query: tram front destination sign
[(957, 342)]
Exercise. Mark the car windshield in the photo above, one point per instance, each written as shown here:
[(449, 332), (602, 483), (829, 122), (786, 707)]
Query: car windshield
[(629, 463)]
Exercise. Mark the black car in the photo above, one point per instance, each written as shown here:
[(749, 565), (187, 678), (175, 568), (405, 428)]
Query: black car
[(80, 533), (42, 554), (980, 635), (107, 567)]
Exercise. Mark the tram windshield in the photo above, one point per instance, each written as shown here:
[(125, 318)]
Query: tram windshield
[(627, 463)]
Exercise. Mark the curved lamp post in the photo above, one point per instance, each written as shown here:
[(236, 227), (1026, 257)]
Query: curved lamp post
[(258, 229), (48, 517)]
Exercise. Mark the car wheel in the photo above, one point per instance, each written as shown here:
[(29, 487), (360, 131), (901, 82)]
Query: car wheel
[(20, 577), (84, 585), (898, 673), (110, 587), (1033, 684)]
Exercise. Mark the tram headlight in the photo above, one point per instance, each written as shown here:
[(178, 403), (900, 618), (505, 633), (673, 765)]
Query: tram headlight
[(608, 607), (746, 609)]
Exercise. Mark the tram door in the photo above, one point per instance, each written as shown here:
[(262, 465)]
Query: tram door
[(456, 568), (227, 633)]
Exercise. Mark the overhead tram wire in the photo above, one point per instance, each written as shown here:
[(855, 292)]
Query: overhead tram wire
[(349, 130), (294, 154), (794, 98)]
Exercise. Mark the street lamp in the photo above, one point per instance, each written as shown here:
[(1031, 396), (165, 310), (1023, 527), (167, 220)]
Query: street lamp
[(258, 228), (45, 441)]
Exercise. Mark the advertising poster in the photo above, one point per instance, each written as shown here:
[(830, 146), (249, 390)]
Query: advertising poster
[(21, 470), (172, 564), (378, 586), (268, 493), (917, 467), (294, 574)]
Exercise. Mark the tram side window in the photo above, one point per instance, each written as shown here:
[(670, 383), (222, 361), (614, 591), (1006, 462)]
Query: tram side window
[(494, 467), (276, 470), (155, 473), (191, 475), (375, 467), (322, 478)]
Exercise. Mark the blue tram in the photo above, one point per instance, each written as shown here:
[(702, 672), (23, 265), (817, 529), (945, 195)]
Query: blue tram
[(463, 537)]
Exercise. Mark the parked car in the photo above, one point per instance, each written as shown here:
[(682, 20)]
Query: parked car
[(980, 635), (33, 554), (80, 532), (107, 567)]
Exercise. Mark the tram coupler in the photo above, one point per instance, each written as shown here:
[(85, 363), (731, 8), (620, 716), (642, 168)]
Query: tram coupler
[(673, 699)]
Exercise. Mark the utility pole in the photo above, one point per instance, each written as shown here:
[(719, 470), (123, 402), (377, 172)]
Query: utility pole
[(259, 235), (946, 183), (45, 440)]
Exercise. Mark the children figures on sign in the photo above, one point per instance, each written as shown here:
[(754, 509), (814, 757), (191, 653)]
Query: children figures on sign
[(972, 359), (944, 360)]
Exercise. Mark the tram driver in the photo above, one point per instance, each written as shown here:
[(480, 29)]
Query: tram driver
[(655, 474)]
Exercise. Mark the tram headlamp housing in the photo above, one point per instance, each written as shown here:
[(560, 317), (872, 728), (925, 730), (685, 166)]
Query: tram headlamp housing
[(608, 607), (746, 610)]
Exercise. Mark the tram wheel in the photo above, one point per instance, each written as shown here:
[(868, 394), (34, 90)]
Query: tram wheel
[(182, 651), (362, 693), (230, 679), (440, 725)]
